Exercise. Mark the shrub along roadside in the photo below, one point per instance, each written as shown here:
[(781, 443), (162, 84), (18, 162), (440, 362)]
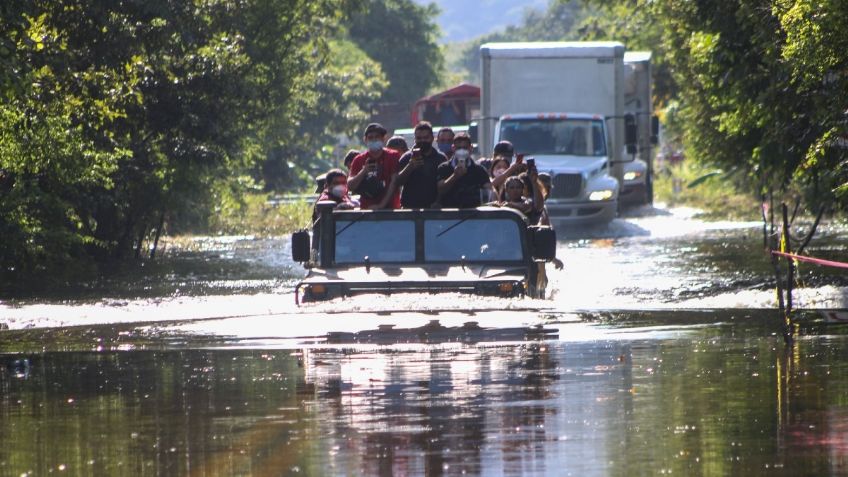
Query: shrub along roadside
[(694, 185), (257, 215)]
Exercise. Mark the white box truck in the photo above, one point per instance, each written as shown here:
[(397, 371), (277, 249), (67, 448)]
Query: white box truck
[(637, 183), (564, 104)]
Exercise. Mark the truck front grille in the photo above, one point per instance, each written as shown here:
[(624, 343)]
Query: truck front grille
[(567, 186)]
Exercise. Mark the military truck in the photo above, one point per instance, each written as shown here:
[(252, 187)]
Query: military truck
[(484, 251)]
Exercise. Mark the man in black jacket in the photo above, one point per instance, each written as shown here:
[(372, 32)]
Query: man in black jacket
[(462, 182), (418, 170)]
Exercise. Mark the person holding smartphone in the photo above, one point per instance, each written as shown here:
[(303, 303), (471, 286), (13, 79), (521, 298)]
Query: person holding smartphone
[(373, 170), (534, 189), (512, 169), (462, 182), (417, 178)]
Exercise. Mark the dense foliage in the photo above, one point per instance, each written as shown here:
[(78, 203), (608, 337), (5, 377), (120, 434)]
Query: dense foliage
[(118, 117), (402, 36)]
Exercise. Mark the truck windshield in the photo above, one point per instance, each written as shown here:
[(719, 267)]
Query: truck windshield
[(380, 241), (479, 240), (578, 137)]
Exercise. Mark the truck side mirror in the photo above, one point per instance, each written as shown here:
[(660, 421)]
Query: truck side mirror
[(655, 130), (544, 243), (630, 133), (300, 246)]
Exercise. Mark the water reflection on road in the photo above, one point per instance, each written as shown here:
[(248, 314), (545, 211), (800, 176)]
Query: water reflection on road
[(661, 355), (721, 396)]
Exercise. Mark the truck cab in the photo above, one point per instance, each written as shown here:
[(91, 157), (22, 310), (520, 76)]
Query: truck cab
[(486, 251), (573, 149)]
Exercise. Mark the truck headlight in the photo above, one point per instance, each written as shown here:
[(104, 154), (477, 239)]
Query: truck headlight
[(605, 194), (629, 176)]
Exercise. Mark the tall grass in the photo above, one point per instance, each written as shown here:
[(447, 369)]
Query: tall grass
[(693, 185), (256, 215)]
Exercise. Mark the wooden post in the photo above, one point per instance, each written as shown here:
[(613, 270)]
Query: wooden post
[(786, 247)]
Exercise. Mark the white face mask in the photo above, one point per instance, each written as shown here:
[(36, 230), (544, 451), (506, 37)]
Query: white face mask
[(339, 190), (461, 154), (375, 146), (498, 172)]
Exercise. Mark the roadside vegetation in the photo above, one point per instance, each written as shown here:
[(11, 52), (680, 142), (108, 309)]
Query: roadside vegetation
[(263, 215), (121, 122), (689, 184)]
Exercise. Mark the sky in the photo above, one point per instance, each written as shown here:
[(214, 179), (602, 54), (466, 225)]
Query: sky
[(462, 20)]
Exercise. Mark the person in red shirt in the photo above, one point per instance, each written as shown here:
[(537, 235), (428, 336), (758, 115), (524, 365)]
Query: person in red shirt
[(372, 172)]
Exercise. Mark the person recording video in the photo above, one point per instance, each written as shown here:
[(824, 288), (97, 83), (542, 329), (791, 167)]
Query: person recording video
[(373, 170), (462, 182), (417, 177)]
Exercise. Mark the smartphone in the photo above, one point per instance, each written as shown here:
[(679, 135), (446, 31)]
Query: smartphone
[(531, 162), (416, 152)]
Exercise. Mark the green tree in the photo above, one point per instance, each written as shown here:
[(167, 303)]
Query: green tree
[(343, 85), (402, 36), (749, 101), (118, 115), (816, 53), (634, 23)]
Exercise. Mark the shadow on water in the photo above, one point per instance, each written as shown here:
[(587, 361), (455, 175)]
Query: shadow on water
[(204, 266)]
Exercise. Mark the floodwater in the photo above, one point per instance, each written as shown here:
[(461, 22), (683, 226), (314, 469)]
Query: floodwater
[(659, 352)]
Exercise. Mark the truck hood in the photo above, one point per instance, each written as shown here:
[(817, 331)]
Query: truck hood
[(567, 164)]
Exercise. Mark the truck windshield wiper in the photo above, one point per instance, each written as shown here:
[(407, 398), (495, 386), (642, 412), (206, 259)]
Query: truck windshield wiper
[(357, 219), (458, 222)]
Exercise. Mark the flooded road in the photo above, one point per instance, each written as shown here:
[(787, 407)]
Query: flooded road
[(662, 260), (659, 352)]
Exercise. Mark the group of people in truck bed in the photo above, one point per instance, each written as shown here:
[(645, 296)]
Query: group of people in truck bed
[(390, 175)]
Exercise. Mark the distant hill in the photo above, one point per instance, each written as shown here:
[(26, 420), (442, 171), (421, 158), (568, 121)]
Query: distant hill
[(462, 20)]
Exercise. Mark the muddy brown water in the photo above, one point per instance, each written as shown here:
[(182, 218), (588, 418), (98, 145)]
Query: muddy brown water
[(661, 355)]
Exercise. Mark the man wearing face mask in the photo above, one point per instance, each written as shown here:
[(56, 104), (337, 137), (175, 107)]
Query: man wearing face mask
[(444, 141), (462, 182), (418, 170), (372, 171)]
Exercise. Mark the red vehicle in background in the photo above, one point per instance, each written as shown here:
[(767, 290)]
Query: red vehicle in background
[(453, 107)]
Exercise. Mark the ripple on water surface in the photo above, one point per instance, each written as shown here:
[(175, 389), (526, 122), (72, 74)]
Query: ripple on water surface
[(658, 260)]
